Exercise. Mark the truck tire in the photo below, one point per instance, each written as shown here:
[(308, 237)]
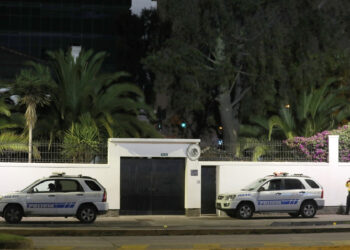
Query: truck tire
[(13, 214), (87, 213), (245, 210), (308, 209)]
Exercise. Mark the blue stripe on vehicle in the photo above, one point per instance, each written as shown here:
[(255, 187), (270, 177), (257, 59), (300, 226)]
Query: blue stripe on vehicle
[(59, 205), (51, 205), (277, 202)]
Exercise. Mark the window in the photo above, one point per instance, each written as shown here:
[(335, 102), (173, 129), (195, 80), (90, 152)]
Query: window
[(293, 184), (68, 186), (312, 184), (45, 186), (272, 185), (93, 186)]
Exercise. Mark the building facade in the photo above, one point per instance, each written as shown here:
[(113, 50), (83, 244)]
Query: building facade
[(33, 27)]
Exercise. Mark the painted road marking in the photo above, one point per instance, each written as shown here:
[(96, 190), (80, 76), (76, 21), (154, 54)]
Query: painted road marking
[(58, 248), (206, 246), (134, 246), (277, 244), (340, 242)]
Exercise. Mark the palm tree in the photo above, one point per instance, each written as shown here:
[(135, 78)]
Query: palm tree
[(34, 86), (312, 111), (81, 142), (114, 105), (9, 140)]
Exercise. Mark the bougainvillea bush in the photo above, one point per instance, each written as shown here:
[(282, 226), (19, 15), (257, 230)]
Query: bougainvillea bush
[(315, 148)]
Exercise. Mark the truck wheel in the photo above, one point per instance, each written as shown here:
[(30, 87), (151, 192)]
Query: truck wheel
[(87, 214), (245, 211), (308, 209), (13, 214)]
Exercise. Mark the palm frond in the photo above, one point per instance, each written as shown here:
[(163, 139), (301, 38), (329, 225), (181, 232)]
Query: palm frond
[(276, 121)]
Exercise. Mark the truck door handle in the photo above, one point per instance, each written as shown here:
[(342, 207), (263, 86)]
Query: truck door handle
[(80, 195), (302, 192), (52, 195), (278, 193)]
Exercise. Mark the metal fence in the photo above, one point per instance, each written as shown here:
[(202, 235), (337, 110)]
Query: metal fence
[(46, 152), (254, 151)]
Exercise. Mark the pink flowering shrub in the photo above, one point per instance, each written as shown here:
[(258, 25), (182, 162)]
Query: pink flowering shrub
[(315, 148)]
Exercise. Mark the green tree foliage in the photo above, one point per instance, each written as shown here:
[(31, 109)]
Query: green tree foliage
[(227, 61), (201, 66), (10, 122), (306, 43), (312, 111), (34, 86), (81, 142), (10, 118), (113, 104), (11, 142)]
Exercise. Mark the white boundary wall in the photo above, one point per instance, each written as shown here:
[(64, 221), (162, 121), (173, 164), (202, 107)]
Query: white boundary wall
[(17, 176), (233, 176)]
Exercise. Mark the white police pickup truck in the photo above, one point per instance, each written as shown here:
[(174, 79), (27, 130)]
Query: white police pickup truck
[(294, 194), (58, 195)]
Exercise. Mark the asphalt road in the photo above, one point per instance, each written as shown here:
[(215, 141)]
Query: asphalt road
[(282, 241), (181, 232)]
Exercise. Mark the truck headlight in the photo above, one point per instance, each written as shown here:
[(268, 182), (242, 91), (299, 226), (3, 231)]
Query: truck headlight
[(230, 197)]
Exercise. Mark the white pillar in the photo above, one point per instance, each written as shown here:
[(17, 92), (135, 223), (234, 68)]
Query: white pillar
[(192, 188), (333, 150)]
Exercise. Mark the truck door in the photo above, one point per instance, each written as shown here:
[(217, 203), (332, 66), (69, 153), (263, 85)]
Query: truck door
[(270, 196), (41, 199)]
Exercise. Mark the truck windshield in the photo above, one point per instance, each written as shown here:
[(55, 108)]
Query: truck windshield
[(254, 185), (28, 187)]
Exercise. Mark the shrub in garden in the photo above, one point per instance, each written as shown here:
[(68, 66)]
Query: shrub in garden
[(81, 142), (315, 147)]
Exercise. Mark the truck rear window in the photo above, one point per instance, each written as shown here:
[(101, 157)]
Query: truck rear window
[(93, 186), (312, 184)]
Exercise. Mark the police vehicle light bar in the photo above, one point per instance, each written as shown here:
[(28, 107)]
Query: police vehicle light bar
[(58, 173), (280, 174)]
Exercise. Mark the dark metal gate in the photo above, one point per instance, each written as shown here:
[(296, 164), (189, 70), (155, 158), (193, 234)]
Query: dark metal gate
[(208, 190), (152, 186)]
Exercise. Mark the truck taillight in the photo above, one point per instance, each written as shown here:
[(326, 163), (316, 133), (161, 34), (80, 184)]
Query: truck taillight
[(322, 194), (104, 199)]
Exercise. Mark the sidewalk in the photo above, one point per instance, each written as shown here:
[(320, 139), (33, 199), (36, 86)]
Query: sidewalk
[(177, 225)]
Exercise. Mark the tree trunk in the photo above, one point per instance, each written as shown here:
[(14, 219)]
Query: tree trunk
[(228, 116), (228, 122), (30, 149)]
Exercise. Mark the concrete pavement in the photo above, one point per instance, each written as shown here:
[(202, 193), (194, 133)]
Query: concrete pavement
[(177, 225)]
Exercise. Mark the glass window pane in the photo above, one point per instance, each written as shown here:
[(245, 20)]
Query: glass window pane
[(293, 184), (312, 184), (93, 186), (68, 186), (46, 186)]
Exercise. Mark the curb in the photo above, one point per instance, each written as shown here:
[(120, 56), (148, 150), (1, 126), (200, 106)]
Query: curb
[(166, 232)]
